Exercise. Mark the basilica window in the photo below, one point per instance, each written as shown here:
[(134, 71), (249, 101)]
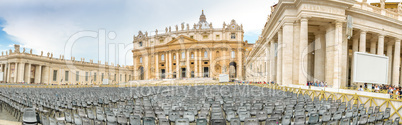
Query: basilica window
[(95, 76), (183, 55), (77, 76), (86, 76), (54, 75), (205, 54), (120, 77), (174, 57), (161, 41), (233, 36), (140, 59), (102, 76), (218, 36), (163, 57), (140, 44), (233, 54), (205, 37), (66, 75), (192, 56)]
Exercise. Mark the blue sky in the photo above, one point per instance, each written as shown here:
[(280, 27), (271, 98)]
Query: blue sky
[(50, 26)]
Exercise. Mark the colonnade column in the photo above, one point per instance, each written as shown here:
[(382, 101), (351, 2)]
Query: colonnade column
[(240, 69), (397, 53), (210, 63), (146, 69), (166, 65), (380, 50), (373, 44), (279, 59), (15, 72), (362, 47), (170, 65), (355, 48), (157, 65), (195, 63), (267, 62), (188, 70), (8, 72), (20, 72), (224, 65), (337, 55), (319, 56), (178, 74), (272, 62), (135, 68), (38, 74), (28, 77), (303, 59), (329, 55), (287, 55), (389, 54), (200, 64)]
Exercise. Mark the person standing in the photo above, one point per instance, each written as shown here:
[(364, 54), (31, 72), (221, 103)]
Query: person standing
[(361, 88)]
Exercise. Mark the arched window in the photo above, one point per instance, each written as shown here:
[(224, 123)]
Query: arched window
[(205, 54), (140, 59), (233, 54), (163, 57), (183, 55), (192, 55), (174, 56)]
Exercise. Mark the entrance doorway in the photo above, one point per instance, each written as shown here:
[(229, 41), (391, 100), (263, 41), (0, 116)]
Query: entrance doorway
[(163, 74), (141, 69), (183, 72), (206, 72)]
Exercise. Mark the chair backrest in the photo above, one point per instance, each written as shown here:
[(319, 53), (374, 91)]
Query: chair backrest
[(344, 121), (363, 119), (182, 121), (313, 118), (149, 121), (372, 118), (235, 121), (300, 119), (163, 121), (355, 120), (337, 115), (396, 121), (286, 120), (218, 122), (251, 121), (326, 117), (387, 113), (201, 122), (370, 110), (272, 121)]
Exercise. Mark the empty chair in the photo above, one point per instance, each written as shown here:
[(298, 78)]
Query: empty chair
[(251, 121), (300, 120), (387, 113), (355, 120), (99, 116), (376, 109), (163, 121), (230, 114), (388, 122), (77, 119), (149, 121), (243, 115), (344, 121), (314, 118), (201, 122), (173, 116), (337, 116), (121, 119), (363, 119), (218, 122), (370, 110), (135, 120), (272, 121), (261, 116), (379, 116), (86, 121), (396, 121), (44, 120), (235, 121), (189, 115), (332, 123), (181, 121), (286, 120), (372, 118), (326, 117), (348, 114), (379, 123)]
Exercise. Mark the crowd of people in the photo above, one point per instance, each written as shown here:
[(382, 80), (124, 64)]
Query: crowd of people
[(393, 91), (317, 84)]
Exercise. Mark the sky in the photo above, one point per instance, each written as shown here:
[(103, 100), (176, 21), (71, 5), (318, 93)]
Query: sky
[(103, 29)]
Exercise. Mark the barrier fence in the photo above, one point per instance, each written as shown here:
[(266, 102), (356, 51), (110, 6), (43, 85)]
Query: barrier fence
[(394, 104)]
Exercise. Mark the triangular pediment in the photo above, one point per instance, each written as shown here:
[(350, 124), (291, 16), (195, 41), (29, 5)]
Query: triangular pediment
[(182, 40)]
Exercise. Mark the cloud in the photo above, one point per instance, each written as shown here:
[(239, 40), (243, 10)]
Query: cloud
[(47, 25)]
